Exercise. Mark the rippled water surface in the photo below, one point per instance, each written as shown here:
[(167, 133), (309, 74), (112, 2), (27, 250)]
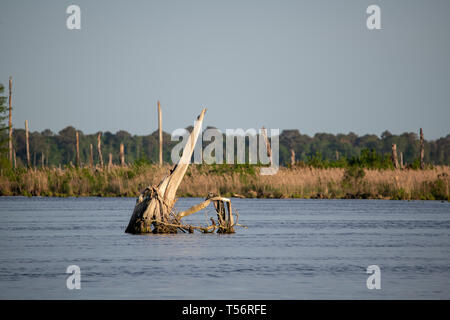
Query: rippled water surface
[(292, 249)]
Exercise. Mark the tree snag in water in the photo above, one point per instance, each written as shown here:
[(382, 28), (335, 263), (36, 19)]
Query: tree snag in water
[(154, 212)]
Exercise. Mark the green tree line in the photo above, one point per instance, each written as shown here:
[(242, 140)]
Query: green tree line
[(323, 148)]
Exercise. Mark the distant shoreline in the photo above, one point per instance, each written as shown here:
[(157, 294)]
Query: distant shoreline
[(233, 181)]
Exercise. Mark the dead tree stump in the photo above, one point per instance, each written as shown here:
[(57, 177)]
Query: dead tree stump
[(154, 207)]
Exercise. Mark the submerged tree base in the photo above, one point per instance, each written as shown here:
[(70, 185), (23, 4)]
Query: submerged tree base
[(141, 224)]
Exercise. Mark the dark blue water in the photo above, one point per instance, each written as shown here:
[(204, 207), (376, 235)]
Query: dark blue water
[(292, 249)]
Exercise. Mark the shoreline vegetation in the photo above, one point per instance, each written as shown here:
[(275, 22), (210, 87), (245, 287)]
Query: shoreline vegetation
[(242, 181)]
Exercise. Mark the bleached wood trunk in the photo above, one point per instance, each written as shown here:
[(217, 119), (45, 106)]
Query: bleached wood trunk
[(27, 144), (160, 135), (269, 149), (91, 156), (122, 155), (42, 160), (394, 156), (78, 148), (422, 151), (153, 210), (110, 163), (99, 148), (401, 161), (292, 157), (10, 123), (14, 155)]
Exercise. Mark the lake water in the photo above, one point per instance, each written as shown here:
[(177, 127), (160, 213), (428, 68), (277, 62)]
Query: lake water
[(292, 249)]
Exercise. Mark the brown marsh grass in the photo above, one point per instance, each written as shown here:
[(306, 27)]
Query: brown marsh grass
[(297, 182)]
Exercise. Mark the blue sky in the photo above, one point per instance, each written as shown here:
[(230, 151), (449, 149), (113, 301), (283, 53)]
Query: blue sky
[(307, 65)]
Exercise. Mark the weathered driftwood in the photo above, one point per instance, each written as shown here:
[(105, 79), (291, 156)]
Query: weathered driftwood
[(154, 210), (154, 205)]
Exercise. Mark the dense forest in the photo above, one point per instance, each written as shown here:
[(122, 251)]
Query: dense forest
[(60, 149)]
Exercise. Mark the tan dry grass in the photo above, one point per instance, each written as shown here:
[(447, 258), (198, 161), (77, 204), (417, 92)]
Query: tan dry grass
[(305, 182)]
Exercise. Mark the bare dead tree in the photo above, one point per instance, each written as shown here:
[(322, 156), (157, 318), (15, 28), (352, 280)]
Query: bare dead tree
[(422, 151), (292, 157), (122, 155), (110, 163), (27, 144), (99, 148), (394, 156), (402, 166), (10, 123), (91, 156), (154, 207), (160, 134), (269, 149), (78, 148)]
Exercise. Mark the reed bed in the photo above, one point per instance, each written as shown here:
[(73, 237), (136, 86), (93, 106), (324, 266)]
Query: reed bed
[(229, 181)]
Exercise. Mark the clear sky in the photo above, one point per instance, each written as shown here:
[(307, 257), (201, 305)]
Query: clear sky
[(307, 65)]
